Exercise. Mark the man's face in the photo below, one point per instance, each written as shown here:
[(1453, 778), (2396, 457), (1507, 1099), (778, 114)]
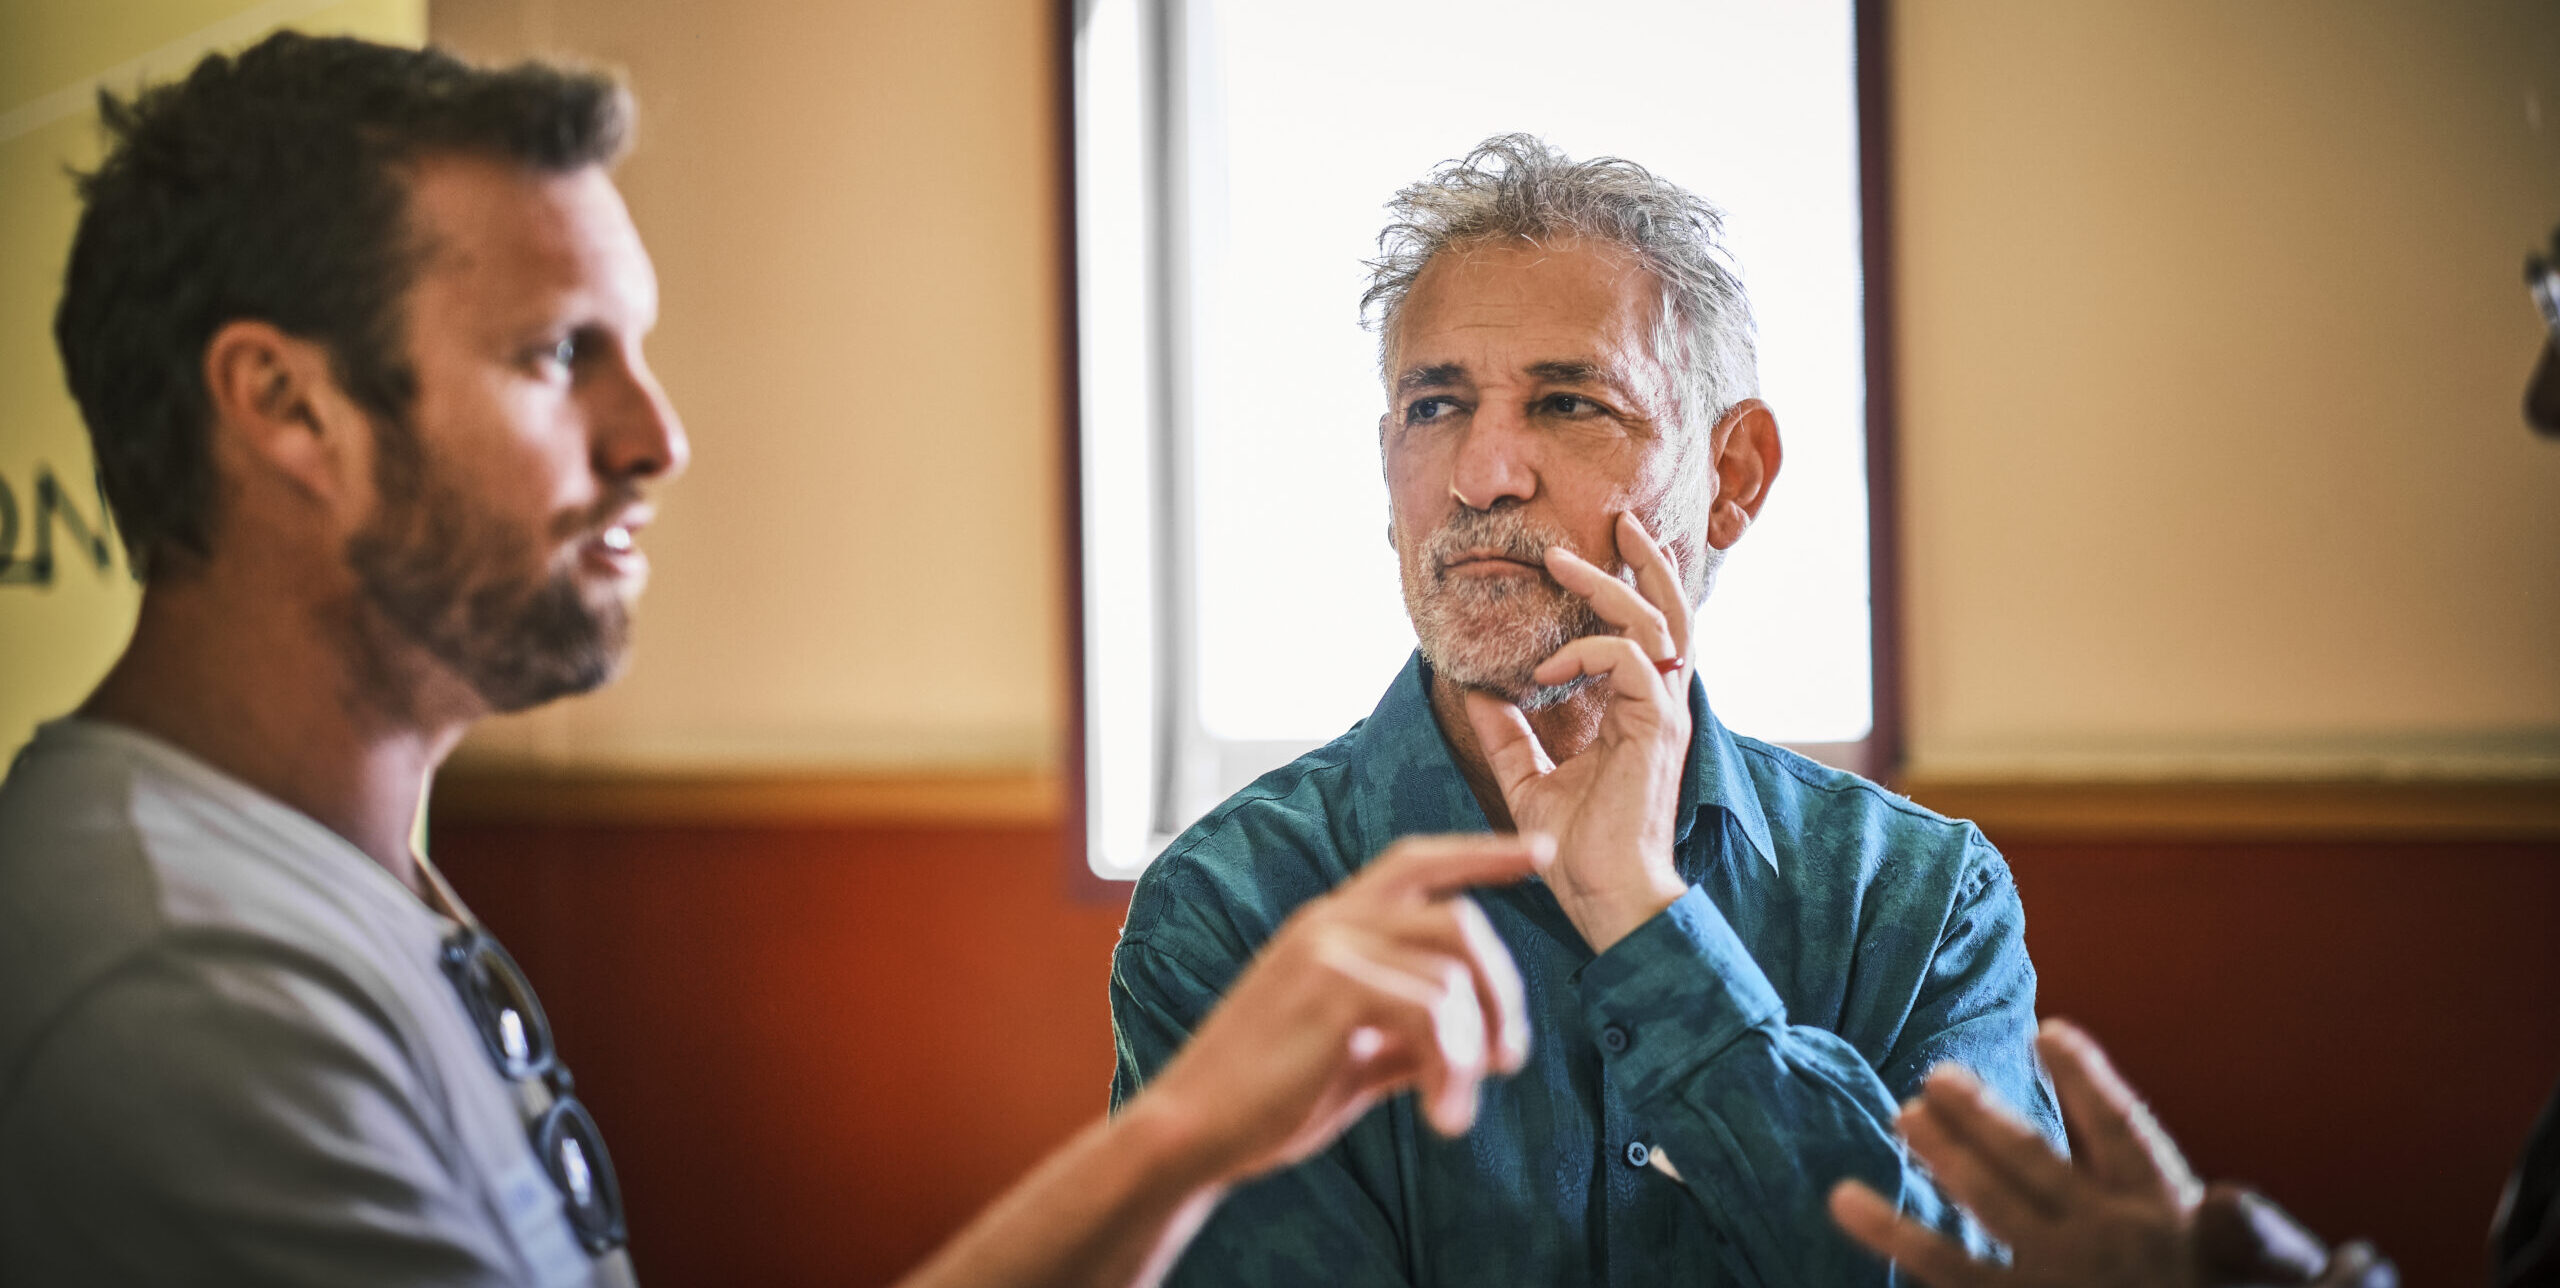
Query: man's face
[(1527, 407), (504, 537)]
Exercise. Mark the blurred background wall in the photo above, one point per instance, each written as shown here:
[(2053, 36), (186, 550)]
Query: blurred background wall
[(2212, 347), (2229, 588)]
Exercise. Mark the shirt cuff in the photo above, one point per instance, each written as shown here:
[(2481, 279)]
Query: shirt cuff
[(1673, 995)]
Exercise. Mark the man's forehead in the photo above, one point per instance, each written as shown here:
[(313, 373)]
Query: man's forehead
[(490, 222), (1555, 311)]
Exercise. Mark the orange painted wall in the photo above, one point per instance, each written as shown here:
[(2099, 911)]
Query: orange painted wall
[(817, 1052)]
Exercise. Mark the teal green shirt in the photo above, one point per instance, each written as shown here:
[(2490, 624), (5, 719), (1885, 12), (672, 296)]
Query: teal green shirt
[(1836, 942)]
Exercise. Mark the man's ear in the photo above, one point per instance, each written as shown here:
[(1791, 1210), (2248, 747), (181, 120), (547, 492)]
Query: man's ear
[(1747, 457), (277, 401), (1382, 477)]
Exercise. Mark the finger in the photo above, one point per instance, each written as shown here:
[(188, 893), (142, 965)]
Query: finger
[(1456, 930), (1629, 668), (1423, 1004), (1435, 867), (1617, 603), (1658, 576), (2005, 1208), (2000, 1138), (1511, 749), (2125, 1146), (1866, 1217), (1505, 999)]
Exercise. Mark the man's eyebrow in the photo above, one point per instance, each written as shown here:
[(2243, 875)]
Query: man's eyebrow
[(1435, 376), (1571, 372), (1589, 374)]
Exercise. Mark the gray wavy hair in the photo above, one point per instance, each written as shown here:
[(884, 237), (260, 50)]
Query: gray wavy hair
[(1517, 186)]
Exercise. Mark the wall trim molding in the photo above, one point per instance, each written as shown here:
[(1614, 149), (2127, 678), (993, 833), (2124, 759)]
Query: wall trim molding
[(2322, 809), (489, 794), (2327, 809)]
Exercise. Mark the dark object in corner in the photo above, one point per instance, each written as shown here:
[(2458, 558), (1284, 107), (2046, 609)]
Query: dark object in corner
[(2542, 397), (2524, 1241), (2242, 1238)]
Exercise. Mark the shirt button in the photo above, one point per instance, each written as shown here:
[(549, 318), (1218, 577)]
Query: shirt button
[(1637, 1154), (1613, 1039)]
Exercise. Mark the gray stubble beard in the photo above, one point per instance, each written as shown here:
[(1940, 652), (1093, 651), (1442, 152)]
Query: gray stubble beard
[(1490, 635)]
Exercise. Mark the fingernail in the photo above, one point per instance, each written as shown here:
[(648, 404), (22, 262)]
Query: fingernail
[(1955, 1077)]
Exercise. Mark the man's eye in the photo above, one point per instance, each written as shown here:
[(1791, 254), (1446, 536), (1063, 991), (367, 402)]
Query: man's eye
[(1571, 405), (554, 357), (1425, 409)]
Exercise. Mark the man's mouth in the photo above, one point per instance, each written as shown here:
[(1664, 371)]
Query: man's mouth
[(1490, 563), (615, 548)]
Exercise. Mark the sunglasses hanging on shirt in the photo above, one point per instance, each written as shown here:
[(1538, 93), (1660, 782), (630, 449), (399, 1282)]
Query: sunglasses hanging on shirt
[(517, 1035)]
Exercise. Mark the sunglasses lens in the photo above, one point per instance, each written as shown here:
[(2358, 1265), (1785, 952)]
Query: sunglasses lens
[(573, 1152), (501, 1003)]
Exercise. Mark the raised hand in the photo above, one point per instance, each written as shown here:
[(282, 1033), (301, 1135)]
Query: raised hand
[(1394, 979), (1610, 808), (2125, 1213), (2116, 1216)]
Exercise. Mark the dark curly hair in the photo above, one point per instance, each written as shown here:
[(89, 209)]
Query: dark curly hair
[(270, 185)]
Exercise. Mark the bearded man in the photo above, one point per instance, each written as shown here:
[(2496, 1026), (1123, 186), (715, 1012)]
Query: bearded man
[(357, 335), (1741, 960)]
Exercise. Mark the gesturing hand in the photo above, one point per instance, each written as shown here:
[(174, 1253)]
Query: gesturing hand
[(2118, 1215), (1394, 979), (2126, 1213), (1610, 808)]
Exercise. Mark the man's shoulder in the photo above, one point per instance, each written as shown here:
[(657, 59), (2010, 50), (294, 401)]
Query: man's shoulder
[(1843, 825), (78, 894), (118, 872), (1226, 883)]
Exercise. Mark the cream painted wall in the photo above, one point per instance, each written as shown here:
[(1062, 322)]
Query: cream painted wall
[(58, 636), (2213, 338), (2213, 342), (853, 213)]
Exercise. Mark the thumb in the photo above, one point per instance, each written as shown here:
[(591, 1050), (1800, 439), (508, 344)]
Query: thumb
[(1511, 749)]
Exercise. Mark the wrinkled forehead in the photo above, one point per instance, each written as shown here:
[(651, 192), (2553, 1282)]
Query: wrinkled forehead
[(1512, 303)]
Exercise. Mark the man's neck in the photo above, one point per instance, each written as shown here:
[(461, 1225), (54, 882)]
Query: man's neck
[(270, 696), (1564, 729)]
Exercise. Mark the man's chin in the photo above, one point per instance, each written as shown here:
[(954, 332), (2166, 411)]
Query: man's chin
[(1534, 696), (561, 645), (1496, 649), (1508, 679)]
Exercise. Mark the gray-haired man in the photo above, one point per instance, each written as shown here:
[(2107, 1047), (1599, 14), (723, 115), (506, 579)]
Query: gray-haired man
[(1741, 960)]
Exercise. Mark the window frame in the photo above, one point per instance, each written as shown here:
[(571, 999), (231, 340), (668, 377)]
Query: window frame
[(1165, 44)]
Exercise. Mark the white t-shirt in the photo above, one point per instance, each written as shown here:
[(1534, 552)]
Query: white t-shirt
[(229, 1052)]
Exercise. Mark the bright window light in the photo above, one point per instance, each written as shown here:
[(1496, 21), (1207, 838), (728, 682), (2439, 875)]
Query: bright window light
[(1288, 129)]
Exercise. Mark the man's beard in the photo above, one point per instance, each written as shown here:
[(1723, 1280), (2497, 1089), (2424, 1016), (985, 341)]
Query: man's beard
[(445, 575), (1490, 633)]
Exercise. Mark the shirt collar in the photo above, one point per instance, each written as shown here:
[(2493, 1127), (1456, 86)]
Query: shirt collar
[(1409, 782), (1715, 776)]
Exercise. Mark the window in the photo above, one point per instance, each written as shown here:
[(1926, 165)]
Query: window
[(1233, 159)]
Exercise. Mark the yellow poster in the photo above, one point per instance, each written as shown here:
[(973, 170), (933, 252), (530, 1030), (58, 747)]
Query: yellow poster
[(67, 597)]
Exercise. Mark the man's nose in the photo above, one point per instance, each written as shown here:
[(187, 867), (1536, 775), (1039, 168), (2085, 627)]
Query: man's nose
[(637, 432), (1496, 461)]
